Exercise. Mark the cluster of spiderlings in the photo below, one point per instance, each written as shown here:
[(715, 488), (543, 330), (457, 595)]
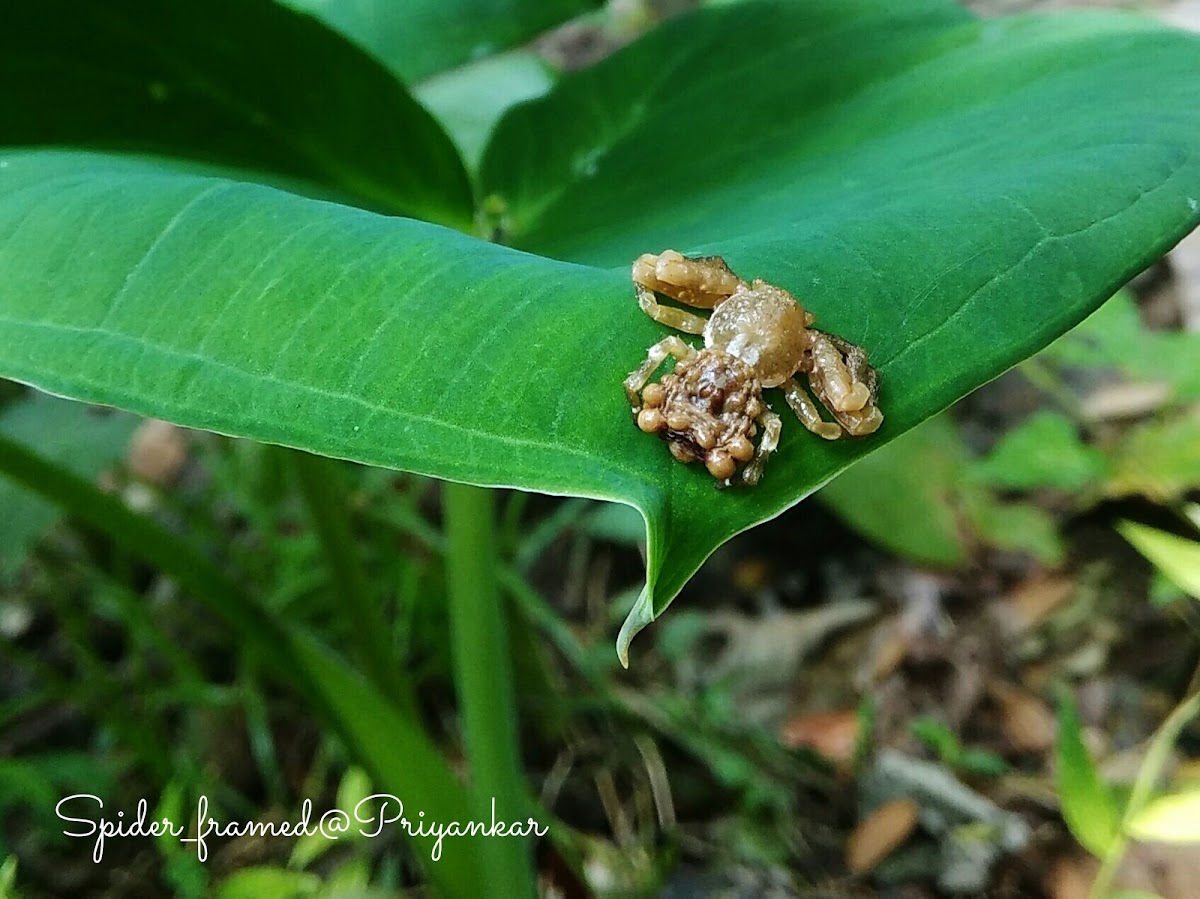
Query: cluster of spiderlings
[(705, 409)]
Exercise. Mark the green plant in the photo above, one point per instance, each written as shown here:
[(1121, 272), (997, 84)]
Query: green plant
[(925, 497), (231, 216), (942, 740), (1062, 451), (1101, 823), (1177, 559), (854, 198)]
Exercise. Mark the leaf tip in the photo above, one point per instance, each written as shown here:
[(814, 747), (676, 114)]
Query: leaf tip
[(639, 616)]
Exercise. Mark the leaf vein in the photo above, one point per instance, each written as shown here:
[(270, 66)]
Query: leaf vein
[(157, 243), (999, 277)]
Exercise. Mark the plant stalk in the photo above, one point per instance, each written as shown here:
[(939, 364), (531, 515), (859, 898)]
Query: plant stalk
[(484, 680), (320, 482)]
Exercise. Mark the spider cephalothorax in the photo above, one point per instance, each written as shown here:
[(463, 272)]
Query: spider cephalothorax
[(758, 336)]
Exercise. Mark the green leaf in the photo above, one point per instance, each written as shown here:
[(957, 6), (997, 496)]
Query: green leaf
[(1159, 459), (982, 762), (1171, 818), (920, 497), (906, 497), (950, 193), (1191, 511), (8, 878), (1115, 337), (1043, 451), (851, 169), (1015, 526), (85, 440), (469, 100), (261, 882), (242, 83), (1111, 336), (1176, 557), (938, 736), (355, 786), (417, 38), (1088, 806)]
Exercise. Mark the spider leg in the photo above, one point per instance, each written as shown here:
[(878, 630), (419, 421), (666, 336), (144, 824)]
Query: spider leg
[(772, 424), (806, 410), (856, 363), (668, 346), (832, 377), (703, 282), (861, 423), (669, 315), (845, 383)]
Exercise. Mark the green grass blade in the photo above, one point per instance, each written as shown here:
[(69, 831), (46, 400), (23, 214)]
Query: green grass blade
[(389, 744)]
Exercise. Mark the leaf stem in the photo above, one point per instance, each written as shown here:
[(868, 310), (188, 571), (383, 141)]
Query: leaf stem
[(484, 680), (324, 490)]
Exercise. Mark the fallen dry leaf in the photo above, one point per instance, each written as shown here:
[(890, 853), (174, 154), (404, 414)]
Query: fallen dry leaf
[(833, 734), (878, 834), (1027, 722), (751, 575), (1033, 602), (892, 649), (1123, 400), (1071, 877)]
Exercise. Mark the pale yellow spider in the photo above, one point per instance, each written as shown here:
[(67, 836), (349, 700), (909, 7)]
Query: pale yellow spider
[(758, 336)]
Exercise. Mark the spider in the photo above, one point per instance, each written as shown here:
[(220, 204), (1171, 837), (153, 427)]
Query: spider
[(758, 336)]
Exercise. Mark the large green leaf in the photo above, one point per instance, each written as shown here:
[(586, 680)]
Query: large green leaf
[(949, 193), (241, 83), (417, 38)]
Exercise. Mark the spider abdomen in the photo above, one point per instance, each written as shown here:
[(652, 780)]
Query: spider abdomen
[(706, 409)]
